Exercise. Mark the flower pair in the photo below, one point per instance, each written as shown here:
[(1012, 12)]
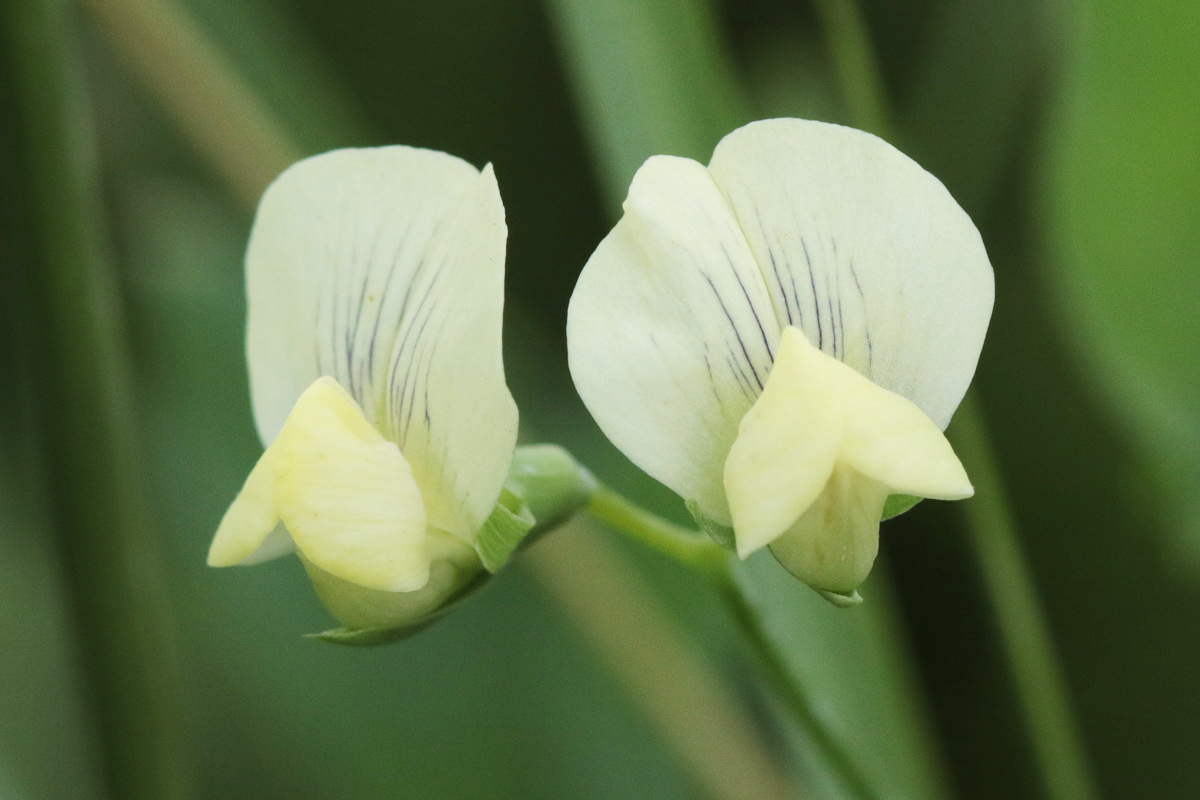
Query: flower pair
[(779, 337)]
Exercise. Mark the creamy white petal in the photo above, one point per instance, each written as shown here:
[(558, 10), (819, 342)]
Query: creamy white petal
[(865, 251), (383, 268), (670, 331), (786, 447)]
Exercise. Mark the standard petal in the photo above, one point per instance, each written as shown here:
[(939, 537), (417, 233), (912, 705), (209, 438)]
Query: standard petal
[(786, 447), (865, 251), (670, 331), (383, 268)]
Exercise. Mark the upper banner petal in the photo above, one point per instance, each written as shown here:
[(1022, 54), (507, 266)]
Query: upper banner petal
[(671, 332), (863, 250), (383, 268)]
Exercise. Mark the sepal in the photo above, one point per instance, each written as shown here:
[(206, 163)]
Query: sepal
[(551, 482), (841, 600), (510, 521), (897, 504), (721, 534), (372, 616)]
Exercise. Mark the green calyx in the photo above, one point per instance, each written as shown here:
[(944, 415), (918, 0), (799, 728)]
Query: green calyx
[(897, 504)]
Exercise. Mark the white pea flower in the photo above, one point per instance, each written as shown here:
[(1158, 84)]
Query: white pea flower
[(375, 293), (781, 338)]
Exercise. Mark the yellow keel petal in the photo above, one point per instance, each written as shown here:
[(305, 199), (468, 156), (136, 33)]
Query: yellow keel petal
[(346, 495), (250, 520), (815, 459), (891, 440), (833, 544), (786, 446)]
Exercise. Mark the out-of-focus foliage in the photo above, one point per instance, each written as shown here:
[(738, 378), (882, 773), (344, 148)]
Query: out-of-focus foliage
[(501, 699), (1122, 191)]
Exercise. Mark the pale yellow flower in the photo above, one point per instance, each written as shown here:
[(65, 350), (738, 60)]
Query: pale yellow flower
[(781, 337)]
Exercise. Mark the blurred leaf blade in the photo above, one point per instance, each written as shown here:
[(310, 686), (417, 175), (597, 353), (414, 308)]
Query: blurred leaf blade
[(1123, 204), (100, 511), (630, 58)]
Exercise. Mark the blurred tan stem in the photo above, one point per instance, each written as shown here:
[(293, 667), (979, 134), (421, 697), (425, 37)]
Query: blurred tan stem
[(685, 700), (1024, 632), (677, 689), (209, 103)]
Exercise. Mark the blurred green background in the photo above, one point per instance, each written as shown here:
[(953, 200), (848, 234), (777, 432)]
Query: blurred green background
[(1070, 133)]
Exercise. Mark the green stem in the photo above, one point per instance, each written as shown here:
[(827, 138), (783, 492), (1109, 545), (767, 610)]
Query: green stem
[(1028, 645), (111, 555), (688, 547), (692, 549), (750, 621)]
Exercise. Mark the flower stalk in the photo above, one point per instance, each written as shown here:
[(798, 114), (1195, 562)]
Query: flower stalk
[(691, 549), (688, 547)]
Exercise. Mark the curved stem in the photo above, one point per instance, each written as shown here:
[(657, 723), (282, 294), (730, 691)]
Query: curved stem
[(688, 547), (692, 549), (1028, 645), (790, 690)]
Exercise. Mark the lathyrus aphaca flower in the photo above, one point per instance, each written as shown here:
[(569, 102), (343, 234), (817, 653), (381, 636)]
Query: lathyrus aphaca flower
[(781, 338), (375, 293)]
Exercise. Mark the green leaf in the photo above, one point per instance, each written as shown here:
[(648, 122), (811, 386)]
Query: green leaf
[(505, 529), (1121, 191), (972, 80), (855, 661)]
